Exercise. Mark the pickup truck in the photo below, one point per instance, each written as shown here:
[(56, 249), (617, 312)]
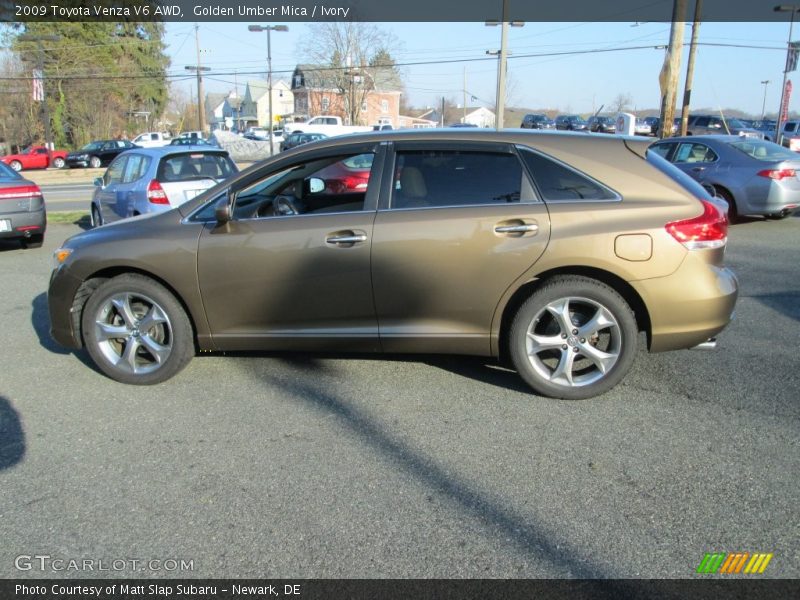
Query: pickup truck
[(152, 139), (330, 126), (36, 157)]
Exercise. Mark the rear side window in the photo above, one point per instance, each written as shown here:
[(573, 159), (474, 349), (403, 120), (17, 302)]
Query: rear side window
[(557, 182), (188, 167), (432, 179)]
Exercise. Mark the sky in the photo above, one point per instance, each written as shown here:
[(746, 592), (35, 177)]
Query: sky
[(727, 75)]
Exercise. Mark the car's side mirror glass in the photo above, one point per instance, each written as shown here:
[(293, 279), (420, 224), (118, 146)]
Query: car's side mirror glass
[(98, 182), (316, 185), (222, 210)]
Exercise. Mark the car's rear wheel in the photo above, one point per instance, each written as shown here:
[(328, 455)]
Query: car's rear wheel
[(733, 213), (16, 165), (58, 162), (136, 331), (574, 338), (95, 162), (35, 241)]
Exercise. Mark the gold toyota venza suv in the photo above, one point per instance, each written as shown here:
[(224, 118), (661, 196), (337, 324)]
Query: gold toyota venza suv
[(551, 250)]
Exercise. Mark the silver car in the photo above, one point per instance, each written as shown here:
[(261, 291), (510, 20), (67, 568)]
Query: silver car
[(755, 177), (151, 180)]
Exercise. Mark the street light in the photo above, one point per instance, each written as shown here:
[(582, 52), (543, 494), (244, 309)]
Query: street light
[(792, 9), (501, 63), (765, 83), (268, 29)]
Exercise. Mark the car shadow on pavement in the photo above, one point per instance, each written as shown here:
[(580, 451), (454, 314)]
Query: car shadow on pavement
[(12, 438), (309, 382), (40, 320), (481, 369), (8, 245), (787, 303)]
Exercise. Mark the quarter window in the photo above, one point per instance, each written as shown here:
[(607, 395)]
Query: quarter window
[(430, 179), (559, 182)]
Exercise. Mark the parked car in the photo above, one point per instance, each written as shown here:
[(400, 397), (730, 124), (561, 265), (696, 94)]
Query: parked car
[(151, 180), (35, 157), (653, 122), (152, 139), (553, 250), (642, 127), (383, 127), (790, 134), (298, 139), (712, 125), (570, 123), (754, 177), (22, 210), (98, 154), (537, 121), (192, 135), (600, 124), (766, 127), (187, 141)]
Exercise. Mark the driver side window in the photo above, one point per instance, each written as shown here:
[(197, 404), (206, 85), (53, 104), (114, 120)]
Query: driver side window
[(325, 185)]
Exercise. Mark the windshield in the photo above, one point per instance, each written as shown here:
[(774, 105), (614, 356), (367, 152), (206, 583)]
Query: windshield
[(765, 151), (92, 146)]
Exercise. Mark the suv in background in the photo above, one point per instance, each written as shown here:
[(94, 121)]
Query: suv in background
[(537, 121), (712, 125), (570, 123)]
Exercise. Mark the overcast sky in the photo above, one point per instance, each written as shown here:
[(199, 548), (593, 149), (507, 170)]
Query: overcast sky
[(728, 73)]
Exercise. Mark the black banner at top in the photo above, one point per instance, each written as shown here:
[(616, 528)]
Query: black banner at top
[(382, 10)]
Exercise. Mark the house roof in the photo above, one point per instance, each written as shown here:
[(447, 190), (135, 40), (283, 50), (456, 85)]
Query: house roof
[(213, 100), (259, 88)]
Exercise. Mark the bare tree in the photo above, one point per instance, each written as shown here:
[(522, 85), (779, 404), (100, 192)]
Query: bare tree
[(621, 103), (353, 59)]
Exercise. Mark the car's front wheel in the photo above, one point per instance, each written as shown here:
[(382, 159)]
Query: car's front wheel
[(574, 338), (136, 331)]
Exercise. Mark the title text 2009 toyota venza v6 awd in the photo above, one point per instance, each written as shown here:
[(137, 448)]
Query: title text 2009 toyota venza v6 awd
[(553, 250)]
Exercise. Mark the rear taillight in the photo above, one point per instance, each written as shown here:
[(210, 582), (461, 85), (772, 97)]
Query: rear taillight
[(777, 174), (20, 192), (156, 193), (355, 183), (709, 230)]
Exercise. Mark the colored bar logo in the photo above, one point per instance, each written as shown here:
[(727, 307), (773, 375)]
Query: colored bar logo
[(733, 563)]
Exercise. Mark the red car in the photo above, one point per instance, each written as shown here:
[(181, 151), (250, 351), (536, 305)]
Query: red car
[(36, 157), (347, 176)]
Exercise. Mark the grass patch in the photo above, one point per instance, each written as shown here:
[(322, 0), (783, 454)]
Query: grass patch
[(76, 217)]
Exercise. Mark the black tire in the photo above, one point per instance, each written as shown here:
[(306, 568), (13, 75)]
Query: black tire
[(156, 325), (96, 217), (95, 162), (613, 345), (35, 241), (733, 213), (59, 162)]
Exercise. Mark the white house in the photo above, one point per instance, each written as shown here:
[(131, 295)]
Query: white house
[(482, 117), (255, 103)]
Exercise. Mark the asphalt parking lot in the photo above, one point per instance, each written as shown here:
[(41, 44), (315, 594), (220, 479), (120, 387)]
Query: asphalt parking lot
[(317, 466)]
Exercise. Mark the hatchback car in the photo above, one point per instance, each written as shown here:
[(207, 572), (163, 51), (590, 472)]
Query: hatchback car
[(98, 154), (552, 251), (22, 210), (150, 180), (754, 177)]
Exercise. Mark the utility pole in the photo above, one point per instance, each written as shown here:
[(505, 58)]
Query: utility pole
[(502, 62), (687, 88), (668, 78), (38, 39), (268, 29), (790, 8), (465, 94), (199, 70), (765, 83)]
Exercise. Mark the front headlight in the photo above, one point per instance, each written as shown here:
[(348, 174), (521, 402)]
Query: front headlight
[(60, 256)]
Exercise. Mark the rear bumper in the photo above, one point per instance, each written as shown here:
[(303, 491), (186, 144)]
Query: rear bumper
[(690, 306), (25, 224)]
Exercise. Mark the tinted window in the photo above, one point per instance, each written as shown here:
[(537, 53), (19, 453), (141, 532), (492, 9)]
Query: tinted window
[(661, 149), (454, 178), (701, 122), (186, 167), (558, 182)]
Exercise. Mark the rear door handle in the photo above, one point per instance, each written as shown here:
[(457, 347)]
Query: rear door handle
[(520, 228), (699, 169)]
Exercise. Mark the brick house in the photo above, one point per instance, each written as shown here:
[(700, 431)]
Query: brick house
[(372, 92)]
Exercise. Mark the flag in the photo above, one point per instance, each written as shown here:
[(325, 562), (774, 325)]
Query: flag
[(791, 56), (38, 86)]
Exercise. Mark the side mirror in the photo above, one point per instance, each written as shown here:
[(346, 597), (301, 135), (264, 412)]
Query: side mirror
[(98, 182), (222, 210), (316, 185)]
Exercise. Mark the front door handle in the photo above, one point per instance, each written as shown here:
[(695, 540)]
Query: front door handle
[(346, 238), (699, 169)]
